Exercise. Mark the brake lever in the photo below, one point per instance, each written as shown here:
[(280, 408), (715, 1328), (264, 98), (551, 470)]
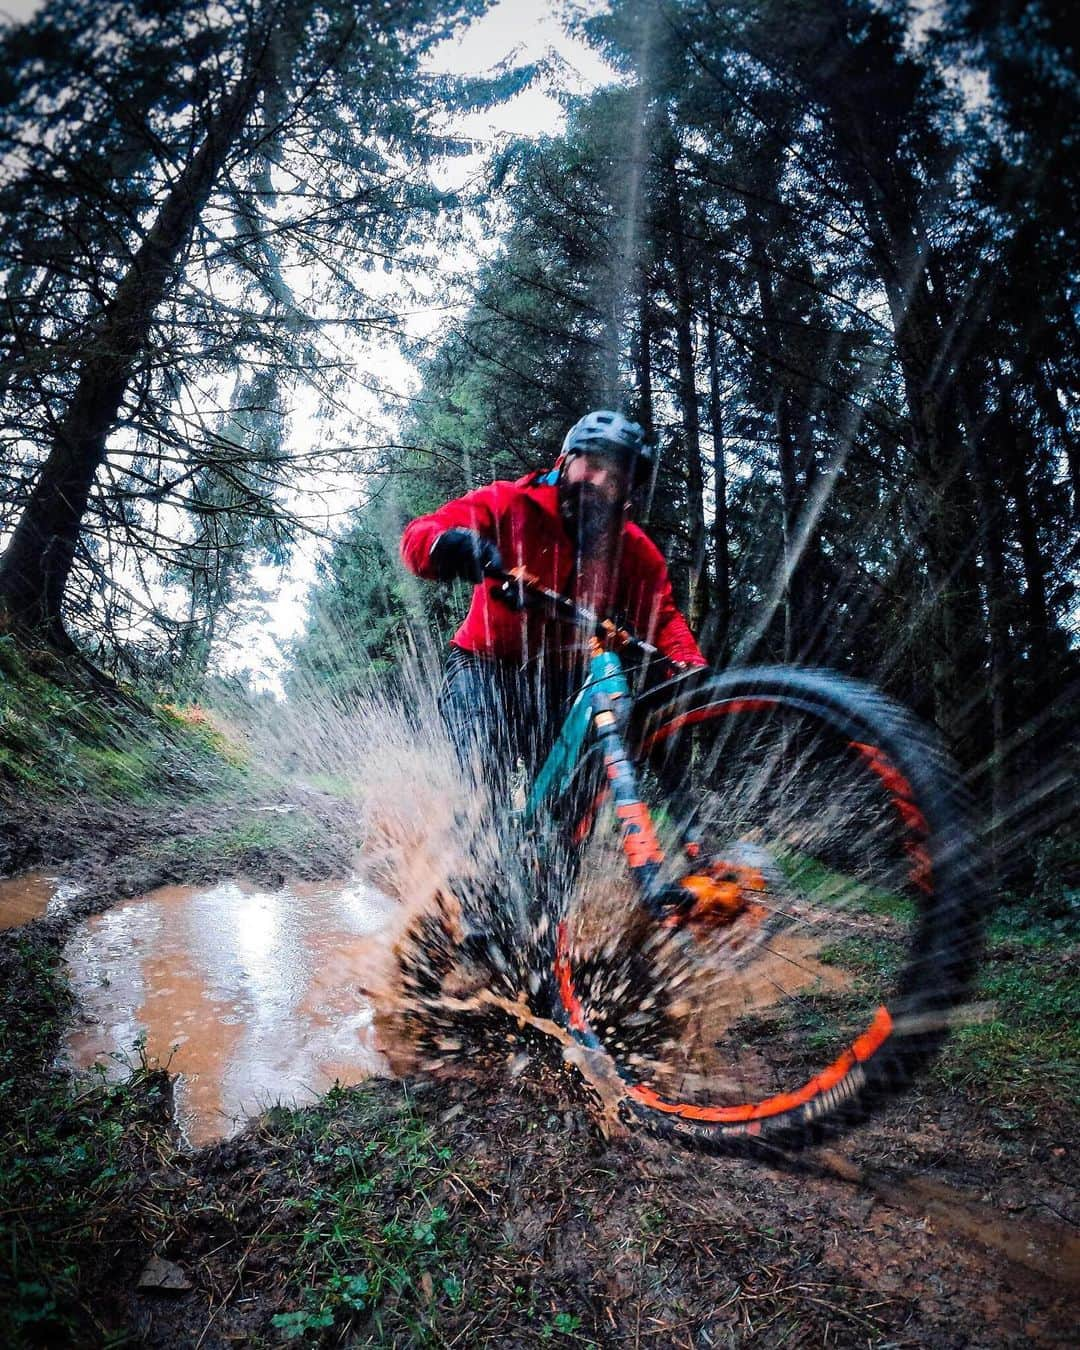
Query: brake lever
[(513, 594)]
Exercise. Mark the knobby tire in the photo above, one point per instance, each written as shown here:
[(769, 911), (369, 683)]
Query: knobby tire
[(894, 757)]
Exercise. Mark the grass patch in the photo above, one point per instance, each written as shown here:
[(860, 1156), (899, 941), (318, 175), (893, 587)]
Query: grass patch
[(346, 1205), (59, 736), (334, 784), (66, 1164), (823, 886), (371, 1238), (874, 961), (247, 843), (1027, 1051)]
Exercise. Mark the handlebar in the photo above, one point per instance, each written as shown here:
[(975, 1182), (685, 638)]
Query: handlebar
[(517, 584)]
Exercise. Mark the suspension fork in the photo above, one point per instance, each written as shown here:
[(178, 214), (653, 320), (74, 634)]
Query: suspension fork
[(641, 847)]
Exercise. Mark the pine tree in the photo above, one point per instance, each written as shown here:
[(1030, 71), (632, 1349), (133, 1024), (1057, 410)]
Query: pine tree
[(263, 142)]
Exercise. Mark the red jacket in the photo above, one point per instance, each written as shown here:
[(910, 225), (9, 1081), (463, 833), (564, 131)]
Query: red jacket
[(523, 520)]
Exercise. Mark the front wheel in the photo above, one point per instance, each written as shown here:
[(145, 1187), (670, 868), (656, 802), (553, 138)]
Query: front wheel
[(834, 906)]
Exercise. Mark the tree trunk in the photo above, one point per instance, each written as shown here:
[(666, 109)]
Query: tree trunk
[(1020, 451), (945, 515), (35, 567), (688, 405), (992, 549), (644, 361), (790, 501), (717, 634)]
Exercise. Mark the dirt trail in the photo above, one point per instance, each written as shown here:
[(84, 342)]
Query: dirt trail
[(618, 1242), (931, 1226), (1046, 1249)]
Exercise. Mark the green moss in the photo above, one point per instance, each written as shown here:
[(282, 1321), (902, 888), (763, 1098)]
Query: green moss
[(336, 784), (823, 886), (59, 738), (874, 961)]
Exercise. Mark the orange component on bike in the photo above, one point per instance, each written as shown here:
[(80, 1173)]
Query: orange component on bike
[(893, 779), (921, 867), (639, 840), (732, 705), (723, 894), (860, 1049), (719, 899), (899, 789), (585, 824), (564, 977)]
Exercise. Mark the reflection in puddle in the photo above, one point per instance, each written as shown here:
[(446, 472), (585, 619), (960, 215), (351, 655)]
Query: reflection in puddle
[(25, 898), (258, 991)]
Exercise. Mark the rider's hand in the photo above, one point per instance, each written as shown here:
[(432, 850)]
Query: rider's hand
[(460, 554)]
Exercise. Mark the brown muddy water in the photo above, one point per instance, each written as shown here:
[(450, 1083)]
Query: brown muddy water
[(249, 996), (29, 897)]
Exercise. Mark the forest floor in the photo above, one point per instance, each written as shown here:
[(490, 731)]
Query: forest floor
[(490, 1211)]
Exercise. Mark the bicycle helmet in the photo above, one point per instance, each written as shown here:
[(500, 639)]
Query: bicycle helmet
[(609, 433)]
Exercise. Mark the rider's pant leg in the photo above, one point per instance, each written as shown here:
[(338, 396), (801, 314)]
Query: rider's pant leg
[(495, 712), (474, 708)]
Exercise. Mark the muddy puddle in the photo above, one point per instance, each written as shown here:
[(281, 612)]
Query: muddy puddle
[(32, 896), (249, 996)]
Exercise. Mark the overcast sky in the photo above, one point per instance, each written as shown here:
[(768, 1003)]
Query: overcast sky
[(526, 30)]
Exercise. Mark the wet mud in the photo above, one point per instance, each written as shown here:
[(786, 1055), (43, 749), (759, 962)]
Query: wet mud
[(1045, 1249), (1049, 1250), (634, 1243), (627, 1241)]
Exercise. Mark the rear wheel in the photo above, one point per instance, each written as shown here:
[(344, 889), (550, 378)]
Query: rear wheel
[(830, 919)]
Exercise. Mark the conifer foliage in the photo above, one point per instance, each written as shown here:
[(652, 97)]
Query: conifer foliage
[(193, 198), (825, 250)]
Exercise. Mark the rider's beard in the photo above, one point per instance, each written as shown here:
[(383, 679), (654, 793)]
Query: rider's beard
[(591, 519)]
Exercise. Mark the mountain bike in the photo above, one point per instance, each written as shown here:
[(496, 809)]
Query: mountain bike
[(783, 896)]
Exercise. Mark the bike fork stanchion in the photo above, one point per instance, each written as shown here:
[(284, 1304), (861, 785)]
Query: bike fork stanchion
[(639, 842)]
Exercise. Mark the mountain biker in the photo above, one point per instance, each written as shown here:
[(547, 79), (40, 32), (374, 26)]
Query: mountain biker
[(511, 667)]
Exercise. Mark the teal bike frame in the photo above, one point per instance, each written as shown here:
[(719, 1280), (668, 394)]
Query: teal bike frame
[(600, 710), (606, 683)]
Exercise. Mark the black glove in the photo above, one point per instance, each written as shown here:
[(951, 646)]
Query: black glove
[(459, 554)]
